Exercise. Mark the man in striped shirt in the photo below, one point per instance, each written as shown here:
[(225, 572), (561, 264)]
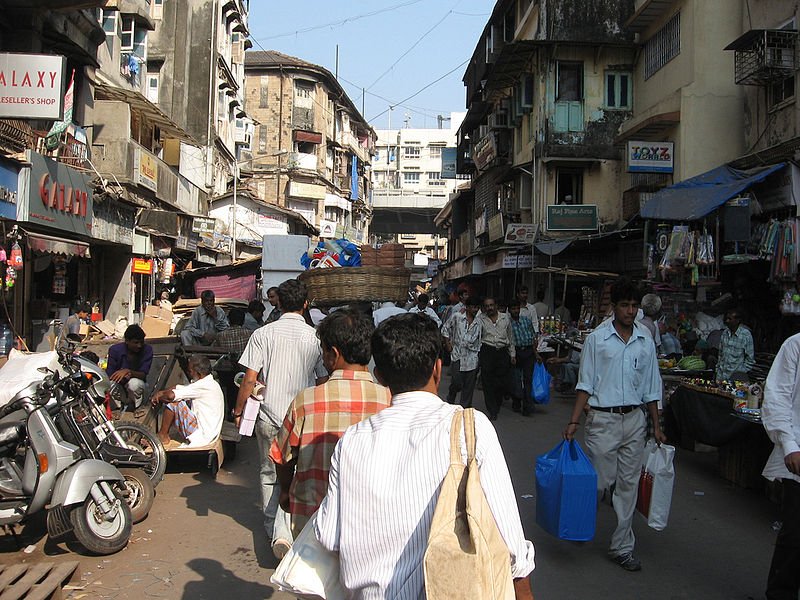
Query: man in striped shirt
[(318, 416), (288, 356), (387, 470)]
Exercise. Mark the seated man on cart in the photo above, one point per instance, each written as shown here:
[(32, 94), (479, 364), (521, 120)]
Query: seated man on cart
[(129, 363), (196, 410)]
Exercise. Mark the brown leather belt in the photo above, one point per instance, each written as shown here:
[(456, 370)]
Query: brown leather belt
[(620, 410)]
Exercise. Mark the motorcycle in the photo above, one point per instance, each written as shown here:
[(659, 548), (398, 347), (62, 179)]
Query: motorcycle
[(39, 468)]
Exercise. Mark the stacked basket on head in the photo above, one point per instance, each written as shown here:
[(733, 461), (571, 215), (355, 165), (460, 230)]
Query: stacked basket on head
[(382, 277)]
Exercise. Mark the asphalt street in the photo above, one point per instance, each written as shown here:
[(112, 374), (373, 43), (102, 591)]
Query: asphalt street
[(204, 540)]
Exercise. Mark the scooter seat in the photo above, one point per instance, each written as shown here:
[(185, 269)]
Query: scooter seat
[(10, 436)]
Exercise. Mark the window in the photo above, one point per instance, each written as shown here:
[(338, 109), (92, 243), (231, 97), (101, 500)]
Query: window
[(152, 87), (569, 186), (570, 82), (108, 19), (435, 151), (435, 178), (618, 90), (262, 138), (662, 47), (410, 151), (303, 94), (411, 178), (132, 38), (157, 9), (778, 91), (263, 99)]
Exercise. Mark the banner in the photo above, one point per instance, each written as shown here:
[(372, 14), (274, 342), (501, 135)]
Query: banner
[(32, 86), (449, 156), (60, 127)]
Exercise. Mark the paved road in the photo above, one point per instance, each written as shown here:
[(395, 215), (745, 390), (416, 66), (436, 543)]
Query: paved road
[(203, 538)]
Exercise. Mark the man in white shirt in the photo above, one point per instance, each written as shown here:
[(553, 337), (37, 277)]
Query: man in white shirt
[(781, 417), (497, 355), (196, 410), (423, 308), (288, 356), (462, 334), (386, 470), (526, 309), (386, 310)]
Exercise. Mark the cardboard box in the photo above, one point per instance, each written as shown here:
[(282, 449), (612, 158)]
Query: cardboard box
[(157, 321)]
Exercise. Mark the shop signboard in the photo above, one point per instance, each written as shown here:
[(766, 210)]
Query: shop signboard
[(572, 217), (146, 169), (496, 230), (32, 86), (9, 174), (55, 195), (651, 157), (327, 229), (298, 189), (521, 233), (485, 152), (142, 266), (449, 157), (518, 261), (113, 222), (203, 225), (480, 223)]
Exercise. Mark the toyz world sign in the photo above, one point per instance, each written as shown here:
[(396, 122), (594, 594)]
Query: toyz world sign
[(32, 86), (650, 157)]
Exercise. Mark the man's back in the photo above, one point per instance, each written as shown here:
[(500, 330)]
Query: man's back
[(384, 483)]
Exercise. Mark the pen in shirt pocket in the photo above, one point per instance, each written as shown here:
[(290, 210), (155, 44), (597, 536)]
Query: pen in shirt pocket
[(635, 363)]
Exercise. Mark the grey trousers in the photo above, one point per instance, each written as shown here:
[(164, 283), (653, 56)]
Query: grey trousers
[(615, 445), (276, 520)]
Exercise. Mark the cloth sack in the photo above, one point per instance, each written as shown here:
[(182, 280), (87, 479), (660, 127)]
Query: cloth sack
[(309, 570), (540, 387), (655, 484), (566, 493), (466, 555)]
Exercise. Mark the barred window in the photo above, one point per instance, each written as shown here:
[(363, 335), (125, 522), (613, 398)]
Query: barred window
[(663, 46)]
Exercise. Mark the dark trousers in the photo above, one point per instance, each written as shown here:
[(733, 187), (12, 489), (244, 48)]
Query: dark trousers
[(523, 378), (461, 381), (496, 377), (784, 573)]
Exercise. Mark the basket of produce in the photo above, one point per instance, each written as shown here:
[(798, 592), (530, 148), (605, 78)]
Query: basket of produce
[(356, 284)]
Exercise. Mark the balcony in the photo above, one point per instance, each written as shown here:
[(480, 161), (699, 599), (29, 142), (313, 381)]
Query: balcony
[(17, 136), (301, 160), (765, 56), (396, 198)]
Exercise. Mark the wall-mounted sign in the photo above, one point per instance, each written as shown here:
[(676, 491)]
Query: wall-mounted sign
[(572, 217), (142, 266), (203, 225), (32, 86), (518, 261), (9, 174), (485, 151), (145, 169), (113, 222), (496, 230), (521, 233), (480, 223), (327, 229), (55, 195), (307, 190), (651, 157), (449, 157)]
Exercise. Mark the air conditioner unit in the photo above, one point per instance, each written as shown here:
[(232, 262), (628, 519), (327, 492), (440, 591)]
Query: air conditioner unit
[(498, 120)]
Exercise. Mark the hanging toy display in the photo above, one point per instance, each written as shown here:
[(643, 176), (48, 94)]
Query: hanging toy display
[(16, 257), (59, 275), (11, 277)]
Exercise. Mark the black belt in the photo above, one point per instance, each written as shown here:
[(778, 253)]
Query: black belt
[(524, 347), (619, 410)]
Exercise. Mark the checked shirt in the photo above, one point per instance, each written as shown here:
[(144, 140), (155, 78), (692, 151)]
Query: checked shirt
[(315, 421)]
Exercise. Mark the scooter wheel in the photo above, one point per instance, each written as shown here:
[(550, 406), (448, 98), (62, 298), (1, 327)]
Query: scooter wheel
[(143, 440), (139, 493), (95, 533)]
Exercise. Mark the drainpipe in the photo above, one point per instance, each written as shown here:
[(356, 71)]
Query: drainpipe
[(212, 95), (280, 142)]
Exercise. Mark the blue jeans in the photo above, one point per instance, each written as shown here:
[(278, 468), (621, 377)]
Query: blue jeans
[(276, 520)]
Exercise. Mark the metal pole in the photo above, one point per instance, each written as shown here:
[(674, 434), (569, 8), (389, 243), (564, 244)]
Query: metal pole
[(233, 225)]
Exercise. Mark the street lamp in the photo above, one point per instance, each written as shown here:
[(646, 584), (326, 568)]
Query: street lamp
[(236, 189)]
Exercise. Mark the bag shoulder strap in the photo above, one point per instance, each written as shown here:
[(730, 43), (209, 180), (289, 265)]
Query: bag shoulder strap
[(455, 438), (469, 433)]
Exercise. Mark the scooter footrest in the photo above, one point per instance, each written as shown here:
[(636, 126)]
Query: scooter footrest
[(58, 523)]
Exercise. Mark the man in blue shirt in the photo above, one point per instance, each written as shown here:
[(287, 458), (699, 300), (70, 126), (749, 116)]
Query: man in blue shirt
[(129, 363), (618, 377), (525, 343)]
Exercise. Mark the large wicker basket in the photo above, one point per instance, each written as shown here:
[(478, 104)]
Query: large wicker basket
[(356, 284)]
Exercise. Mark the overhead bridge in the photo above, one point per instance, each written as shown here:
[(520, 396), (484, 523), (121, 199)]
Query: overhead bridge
[(405, 211)]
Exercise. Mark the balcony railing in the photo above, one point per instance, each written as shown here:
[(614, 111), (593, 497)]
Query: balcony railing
[(765, 56), (17, 136)]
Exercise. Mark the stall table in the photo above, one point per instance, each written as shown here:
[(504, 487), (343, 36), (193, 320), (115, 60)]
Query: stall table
[(699, 416)]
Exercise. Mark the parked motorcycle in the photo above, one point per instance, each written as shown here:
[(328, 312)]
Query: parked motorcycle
[(39, 468)]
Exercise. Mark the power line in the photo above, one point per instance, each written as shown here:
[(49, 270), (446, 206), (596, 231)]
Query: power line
[(422, 89), (343, 21), (420, 110)]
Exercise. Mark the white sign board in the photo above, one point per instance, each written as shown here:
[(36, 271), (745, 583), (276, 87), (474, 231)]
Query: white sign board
[(32, 86), (518, 261), (651, 157), (521, 233), (327, 229)]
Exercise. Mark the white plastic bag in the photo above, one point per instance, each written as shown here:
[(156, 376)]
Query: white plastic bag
[(655, 484), (22, 369), (309, 570)]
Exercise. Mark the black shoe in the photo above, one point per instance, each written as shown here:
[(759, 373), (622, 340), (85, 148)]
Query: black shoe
[(628, 562)]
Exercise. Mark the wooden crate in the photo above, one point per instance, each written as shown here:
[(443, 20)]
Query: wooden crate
[(38, 581)]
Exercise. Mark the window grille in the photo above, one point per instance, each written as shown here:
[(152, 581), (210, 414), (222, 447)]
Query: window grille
[(663, 46)]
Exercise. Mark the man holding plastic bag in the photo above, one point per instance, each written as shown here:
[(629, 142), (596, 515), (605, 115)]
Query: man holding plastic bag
[(618, 377)]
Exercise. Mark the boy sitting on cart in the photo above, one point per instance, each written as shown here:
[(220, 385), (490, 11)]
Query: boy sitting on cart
[(196, 410)]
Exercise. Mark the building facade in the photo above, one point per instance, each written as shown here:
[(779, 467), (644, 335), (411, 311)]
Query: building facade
[(310, 150)]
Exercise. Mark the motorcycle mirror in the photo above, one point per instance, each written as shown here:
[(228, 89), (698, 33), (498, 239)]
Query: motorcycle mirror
[(44, 370)]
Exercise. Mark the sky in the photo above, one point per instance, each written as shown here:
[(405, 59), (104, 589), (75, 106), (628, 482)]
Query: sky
[(391, 48)]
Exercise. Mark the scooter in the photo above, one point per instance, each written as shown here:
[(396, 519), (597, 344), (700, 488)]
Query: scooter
[(39, 468)]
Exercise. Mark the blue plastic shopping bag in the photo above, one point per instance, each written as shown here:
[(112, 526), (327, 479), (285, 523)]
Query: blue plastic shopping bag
[(566, 493), (540, 387)]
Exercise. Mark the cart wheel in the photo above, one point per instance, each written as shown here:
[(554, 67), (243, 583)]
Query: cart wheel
[(213, 463)]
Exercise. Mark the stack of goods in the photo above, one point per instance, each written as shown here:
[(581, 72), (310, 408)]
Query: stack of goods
[(551, 325), (332, 253), (685, 249), (391, 255), (369, 256), (589, 307)]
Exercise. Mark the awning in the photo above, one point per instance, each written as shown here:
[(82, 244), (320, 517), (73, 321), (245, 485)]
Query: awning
[(55, 245), (158, 222), (694, 198)]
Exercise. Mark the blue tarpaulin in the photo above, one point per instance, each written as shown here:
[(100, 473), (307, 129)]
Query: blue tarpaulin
[(694, 198)]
